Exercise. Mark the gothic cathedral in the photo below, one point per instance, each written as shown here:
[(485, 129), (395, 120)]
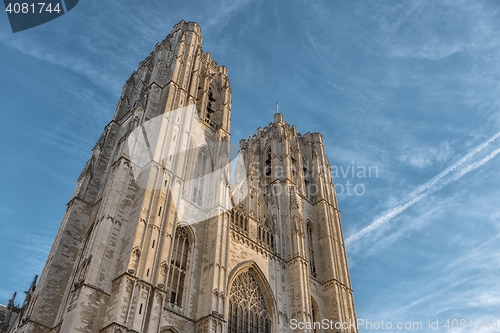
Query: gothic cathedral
[(171, 229)]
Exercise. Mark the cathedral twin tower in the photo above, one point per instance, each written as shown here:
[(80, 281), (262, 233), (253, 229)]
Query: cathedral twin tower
[(170, 229)]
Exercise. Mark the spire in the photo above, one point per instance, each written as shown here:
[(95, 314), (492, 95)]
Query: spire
[(30, 292), (11, 301), (33, 284), (5, 321), (277, 109)]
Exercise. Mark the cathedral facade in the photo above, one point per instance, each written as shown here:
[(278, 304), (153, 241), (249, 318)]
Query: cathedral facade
[(172, 229)]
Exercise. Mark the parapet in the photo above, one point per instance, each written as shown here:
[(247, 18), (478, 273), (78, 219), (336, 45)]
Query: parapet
[(278, 118), (187, 26), (312, 138)]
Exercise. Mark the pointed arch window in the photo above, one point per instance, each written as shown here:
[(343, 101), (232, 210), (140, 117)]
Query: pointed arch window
[(239, 221), (201, 169), (247, 307), (210, 103), (213, 115), (315, 315), (268, 163), (294, 169), (177, 268), (310, 246), (265, 234)]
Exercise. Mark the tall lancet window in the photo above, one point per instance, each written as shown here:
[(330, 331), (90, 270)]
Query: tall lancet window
[(178, 266), (310, 245), (210, 103), (247, 307), (315, 315), (268, 168), (201, 169)]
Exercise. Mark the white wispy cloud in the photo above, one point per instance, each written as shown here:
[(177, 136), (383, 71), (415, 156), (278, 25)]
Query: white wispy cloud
[(75, 64), (7, 210), (444, 297), (33, 250), (429, 30), (226, 9), (424, 157), (450, 174)]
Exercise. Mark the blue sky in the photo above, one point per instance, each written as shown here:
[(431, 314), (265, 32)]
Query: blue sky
[(411, 88)]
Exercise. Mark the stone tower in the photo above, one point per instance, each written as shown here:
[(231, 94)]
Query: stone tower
[(171, 230)]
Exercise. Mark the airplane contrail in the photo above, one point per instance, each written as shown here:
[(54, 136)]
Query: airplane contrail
[(435, 184)]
